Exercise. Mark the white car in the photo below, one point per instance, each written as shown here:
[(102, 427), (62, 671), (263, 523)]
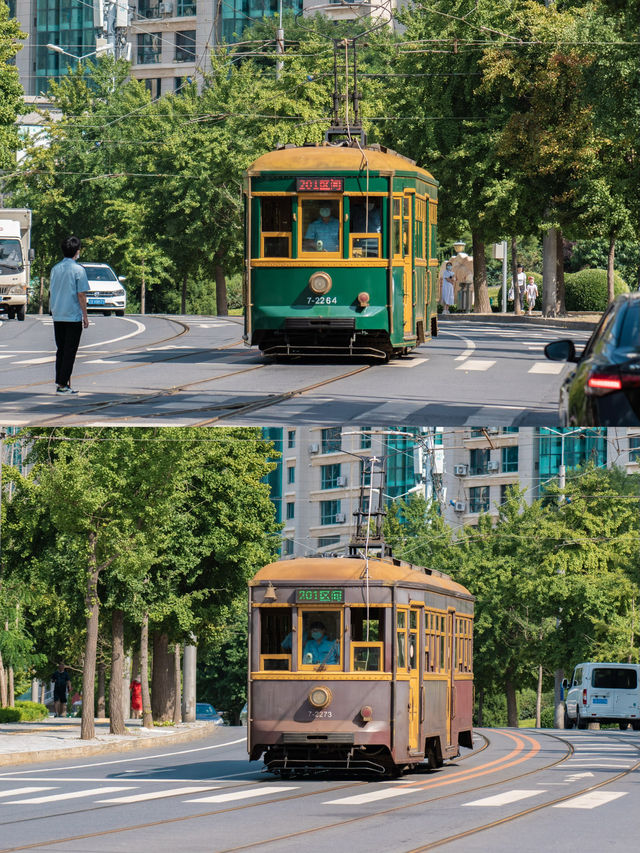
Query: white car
[(603, 693), (106, 292)]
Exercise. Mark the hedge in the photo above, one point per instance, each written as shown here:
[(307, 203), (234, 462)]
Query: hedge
[(586, 290), (9, 715), (25, 712)]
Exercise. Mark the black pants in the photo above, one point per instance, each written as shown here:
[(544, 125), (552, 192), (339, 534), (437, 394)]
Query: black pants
[(67, 337)]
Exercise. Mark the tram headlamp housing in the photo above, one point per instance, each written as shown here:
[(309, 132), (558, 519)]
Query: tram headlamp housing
[(320, 697), (363, 299), (320, 283), (366, 712)]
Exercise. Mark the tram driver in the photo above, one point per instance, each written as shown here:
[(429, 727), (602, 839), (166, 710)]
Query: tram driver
[(323, 234), (319, 648)]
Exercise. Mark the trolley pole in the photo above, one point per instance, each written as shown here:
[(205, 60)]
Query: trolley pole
[(279, 42)]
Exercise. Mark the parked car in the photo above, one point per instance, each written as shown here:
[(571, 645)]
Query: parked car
[(603, 693), (603, 389), (106, 293), (244, 715), (205, 711)]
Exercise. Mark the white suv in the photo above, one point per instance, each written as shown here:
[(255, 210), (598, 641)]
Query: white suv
[(603, 693), (106, 292)]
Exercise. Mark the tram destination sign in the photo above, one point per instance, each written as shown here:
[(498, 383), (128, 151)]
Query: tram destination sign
[(320, 185), (319, 596)]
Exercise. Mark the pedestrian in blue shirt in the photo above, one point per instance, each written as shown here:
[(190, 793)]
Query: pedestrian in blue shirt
[(320, 649), (68, 286), (324, 231)]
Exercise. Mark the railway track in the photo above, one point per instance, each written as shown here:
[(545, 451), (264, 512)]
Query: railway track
[(525, 748)]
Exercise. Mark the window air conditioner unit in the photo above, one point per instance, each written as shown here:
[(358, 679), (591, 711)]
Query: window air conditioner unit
[(340, 518), (166, 7), (460, 470), (493, 430), (492, 466), (341, 481), (460, 506), (314, 448)]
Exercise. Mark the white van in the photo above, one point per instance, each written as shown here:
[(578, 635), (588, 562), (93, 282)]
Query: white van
[(603, 693)]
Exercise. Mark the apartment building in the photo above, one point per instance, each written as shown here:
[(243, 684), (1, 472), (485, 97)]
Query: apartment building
[(323, 473)]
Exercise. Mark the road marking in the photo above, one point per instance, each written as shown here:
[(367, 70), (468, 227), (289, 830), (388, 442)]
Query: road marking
[(37, 360), (14, 792), (476, 364), (591, 800), (553, 367), (407, 362), (71, 795), (504, 799), (243, 795), (102, 361), (369, 798), (140, 327), (156, 795), (575, 777)]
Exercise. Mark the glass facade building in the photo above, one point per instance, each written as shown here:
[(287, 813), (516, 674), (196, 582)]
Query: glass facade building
[(580, 447), (237, 15), (67, 23)]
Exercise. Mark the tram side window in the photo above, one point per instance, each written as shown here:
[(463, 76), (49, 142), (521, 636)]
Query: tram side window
[(396, 226), (320, 637), (366, 218), (275, 638), (401, 639), (276, 227), (435, 642), (367, 639), (320, 224), (463, 639)]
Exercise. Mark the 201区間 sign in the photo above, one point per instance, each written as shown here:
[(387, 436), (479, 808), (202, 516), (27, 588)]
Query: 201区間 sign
[(319, 185), (319, 596)]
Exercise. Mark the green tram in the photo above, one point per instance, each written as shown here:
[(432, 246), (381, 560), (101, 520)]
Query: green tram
[(340, 252)]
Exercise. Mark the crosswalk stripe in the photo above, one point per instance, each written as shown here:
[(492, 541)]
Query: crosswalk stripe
[(372, 797), (549, 367), (32, 790), (72, 795), (243, 795), (476, 364), (156, 795), (408, 362), (36, 360), (504, 799), (591, 800)]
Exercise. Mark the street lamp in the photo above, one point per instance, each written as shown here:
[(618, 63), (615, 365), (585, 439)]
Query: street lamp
[(100, 48)]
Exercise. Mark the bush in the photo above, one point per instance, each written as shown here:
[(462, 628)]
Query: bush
[(547, 717), (587, 290), (9, 715), (30, 711)]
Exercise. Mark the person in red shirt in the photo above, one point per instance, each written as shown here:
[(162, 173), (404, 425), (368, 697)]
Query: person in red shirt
[(136, 698)]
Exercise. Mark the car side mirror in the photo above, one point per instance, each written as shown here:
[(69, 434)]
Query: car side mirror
[(563, 350), (565, 683), (122, 278), (32, 254)]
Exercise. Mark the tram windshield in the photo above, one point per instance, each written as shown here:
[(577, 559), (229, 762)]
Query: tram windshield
[(275, 638), (321, 637), (366, 218), (320, 224)]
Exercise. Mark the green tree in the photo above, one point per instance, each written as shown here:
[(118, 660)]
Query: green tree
[(10, 89)]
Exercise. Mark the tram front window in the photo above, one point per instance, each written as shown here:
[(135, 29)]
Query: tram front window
[(320, 225), (366, 218), (276, 227), (320, 638), (367, 638), (275, 638)]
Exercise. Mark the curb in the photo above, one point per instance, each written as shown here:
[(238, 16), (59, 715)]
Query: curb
[(136, 743), (579, 324)]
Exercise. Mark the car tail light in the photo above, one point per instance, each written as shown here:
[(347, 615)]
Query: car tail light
[(602, 382), (584, 696)]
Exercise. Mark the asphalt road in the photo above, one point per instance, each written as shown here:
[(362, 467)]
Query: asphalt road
[(191, 371), (522, 790)]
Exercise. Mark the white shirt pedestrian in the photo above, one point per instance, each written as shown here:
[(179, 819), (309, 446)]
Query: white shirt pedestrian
[(531, 293)]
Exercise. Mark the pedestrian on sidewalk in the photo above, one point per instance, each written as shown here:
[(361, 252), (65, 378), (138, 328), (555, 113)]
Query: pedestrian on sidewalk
[(447, 296), (68, 288), (531, 293), (136, 697), (61, 684)]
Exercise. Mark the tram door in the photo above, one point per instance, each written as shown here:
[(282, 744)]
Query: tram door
[(407, 262), (414, 677), (451, 671)]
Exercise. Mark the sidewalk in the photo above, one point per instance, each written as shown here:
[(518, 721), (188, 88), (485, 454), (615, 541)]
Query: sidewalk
[(585, 321), (54, 738)]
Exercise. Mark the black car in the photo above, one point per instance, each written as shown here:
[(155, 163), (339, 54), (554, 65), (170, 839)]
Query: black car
[(604, 387)]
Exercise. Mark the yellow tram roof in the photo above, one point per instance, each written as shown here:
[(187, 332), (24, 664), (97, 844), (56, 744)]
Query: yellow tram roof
[(344, 569), (334, 158)]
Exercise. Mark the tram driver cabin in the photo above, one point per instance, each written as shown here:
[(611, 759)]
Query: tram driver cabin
[(358, 664)]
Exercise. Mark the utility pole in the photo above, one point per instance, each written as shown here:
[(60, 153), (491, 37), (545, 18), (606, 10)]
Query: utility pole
[(279, 42), (111, 19)]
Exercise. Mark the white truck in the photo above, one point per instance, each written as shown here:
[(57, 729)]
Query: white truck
[(16, 255)]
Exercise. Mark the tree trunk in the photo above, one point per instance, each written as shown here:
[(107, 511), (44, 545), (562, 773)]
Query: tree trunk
[(561, 308), (610, 258), (101, 708), (480, 289), (517, 307), (183, 296), (3, 685), (92, 603), (41, 297), (189, 682), (135, 665), (539, 697), (177, 706), (147, 716), (11, 696), (480, 706), (549, 272), (512, 704), (116, 717), (222, 306), (162, 684), (143, 291)]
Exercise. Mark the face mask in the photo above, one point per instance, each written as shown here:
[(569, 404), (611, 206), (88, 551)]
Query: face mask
[(325, 211), (448, 266), (316, 635), (370, 206)]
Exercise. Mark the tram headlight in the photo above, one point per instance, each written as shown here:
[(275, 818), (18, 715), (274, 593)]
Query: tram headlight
[(320, 282), (363, 299), (366, 712), (320, 697)]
